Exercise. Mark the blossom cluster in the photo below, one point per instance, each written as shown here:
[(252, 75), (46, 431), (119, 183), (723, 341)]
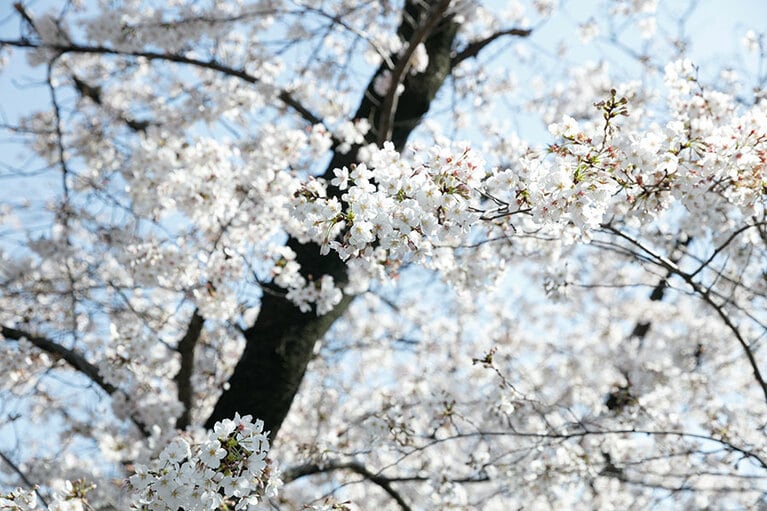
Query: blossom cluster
[(19, 500), (708, 158), (322, 293), (391, 211), (227, 468), (72, 498)]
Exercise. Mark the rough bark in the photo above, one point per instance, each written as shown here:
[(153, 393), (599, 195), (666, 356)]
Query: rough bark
[(281, 342)]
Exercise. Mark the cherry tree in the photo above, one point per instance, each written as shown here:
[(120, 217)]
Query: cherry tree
[(286, 254)]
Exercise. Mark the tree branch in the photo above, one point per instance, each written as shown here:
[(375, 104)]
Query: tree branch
[(705, 294), (473, 48), (389, 105), (25, 16), (553, 435), (642, 327), (183, 378), (284, 96), (71, 357), (93, 93), (358, 468), (74, 359), (724, 245), (338, 19)]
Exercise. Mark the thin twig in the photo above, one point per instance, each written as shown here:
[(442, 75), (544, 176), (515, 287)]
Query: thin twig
[(23, 478)]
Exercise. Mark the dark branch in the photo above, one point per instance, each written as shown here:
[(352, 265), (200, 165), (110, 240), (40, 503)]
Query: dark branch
[(553, 435), (358, 468), (723, 246), (93, 93), (705, 294), (284, 95), (24, 15), (472, 49), (74, 359), (642, 327), (71, 357)]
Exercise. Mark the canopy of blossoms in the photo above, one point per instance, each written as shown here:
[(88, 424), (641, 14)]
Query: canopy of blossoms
[(464, 319)]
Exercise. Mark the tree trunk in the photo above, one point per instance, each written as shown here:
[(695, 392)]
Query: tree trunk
[(281, 342)]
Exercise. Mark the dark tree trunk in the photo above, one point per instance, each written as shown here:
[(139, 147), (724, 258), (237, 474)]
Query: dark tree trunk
[(281, 342)]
